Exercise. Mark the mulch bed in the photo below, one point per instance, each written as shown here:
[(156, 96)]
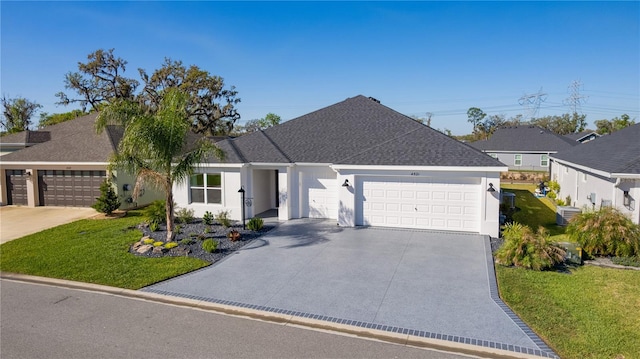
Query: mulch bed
[(196, 232)]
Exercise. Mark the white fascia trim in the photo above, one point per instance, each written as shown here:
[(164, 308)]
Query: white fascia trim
[(227, 165), (68, 164), (626, 175), (421, 168), (582, 168), (312, 164), (270, 164)]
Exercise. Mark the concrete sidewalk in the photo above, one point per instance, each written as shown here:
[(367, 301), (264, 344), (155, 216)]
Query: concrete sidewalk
[(433, 285), (19, 221)]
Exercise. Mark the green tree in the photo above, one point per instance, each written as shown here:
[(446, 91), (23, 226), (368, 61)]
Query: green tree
[(563, 124), (211, 107), (17, 113), (48, 120), (616, 124), (154, 145), (475, 117), (270, 120), (108, 200), (98, 82)]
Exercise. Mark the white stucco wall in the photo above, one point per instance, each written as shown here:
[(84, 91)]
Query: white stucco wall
[(580, 183)]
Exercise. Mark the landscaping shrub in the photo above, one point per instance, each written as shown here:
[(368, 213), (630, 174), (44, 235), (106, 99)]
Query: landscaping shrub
[(108, 200), (208, 218), (158, 244), (178, 229), (184, 215), (553, 186), (148, 241), (255, 224), (186, 241), (171, 245), (154, 226), (568, 200), (223, 218), (551, 195), (560, 202), (524, 248), (605, 232), (155, 212), (209, 245)]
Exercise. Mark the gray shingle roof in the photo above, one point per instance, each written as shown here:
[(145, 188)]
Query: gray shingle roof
[(578, 136), (618, 152), (525, 139), (71, 141), (357, 131)]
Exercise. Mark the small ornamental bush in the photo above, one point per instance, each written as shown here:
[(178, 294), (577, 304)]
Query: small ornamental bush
[(186, 241), (523, 248), (178, 229), (207, 230), (605, 232), (223, 218), (560, 202), (255, 224), (554, 186), (551, 195), (148, 241), (626, 261), (184, 215), (158, 244), (155, 212), (208, 218), (154, 226), (108, 200), (209, 245), (568, 200), (171, 245)]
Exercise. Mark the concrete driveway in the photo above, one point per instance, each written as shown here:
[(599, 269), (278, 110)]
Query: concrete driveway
[(432, 284), (18, 221)]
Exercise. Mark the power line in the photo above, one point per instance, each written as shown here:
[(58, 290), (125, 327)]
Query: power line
[(574, 101)]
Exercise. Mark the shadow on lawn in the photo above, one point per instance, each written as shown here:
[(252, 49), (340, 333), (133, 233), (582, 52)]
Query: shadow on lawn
[(533, 212)]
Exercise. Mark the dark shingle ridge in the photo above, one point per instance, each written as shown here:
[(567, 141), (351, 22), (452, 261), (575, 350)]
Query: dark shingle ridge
[(275, 146), (236, 151), (618, 152)]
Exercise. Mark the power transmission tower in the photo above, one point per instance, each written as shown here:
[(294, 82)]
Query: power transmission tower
[(429, 114), (574, 101), (532, 103)]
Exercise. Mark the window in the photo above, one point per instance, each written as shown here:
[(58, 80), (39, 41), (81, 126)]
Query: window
[(544, 161), (517, 160), (206, 188)]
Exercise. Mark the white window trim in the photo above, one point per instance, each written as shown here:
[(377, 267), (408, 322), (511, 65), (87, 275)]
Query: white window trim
[(205, 188), (542, 160), (515, 159)]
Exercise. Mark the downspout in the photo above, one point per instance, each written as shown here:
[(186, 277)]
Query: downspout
[(618, 181)]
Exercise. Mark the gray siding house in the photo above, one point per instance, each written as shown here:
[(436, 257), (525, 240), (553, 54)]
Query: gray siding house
[(524, 147)]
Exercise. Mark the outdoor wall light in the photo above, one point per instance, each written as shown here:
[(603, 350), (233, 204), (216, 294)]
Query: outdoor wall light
[(346, 183), (28, 173), (491, 189), (626, 200)]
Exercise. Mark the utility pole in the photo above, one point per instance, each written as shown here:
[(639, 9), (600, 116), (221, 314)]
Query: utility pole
[(532, 103)]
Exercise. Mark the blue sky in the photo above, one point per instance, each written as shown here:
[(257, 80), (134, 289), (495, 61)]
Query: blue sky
[(291, 58)]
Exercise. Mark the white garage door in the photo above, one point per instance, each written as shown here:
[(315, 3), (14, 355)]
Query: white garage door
[(444, 204), (319, 193)]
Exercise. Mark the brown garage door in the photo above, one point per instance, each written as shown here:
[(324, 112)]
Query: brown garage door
[(16, 187), (69, 188)]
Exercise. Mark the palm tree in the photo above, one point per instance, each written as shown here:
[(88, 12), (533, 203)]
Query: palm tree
[(154, 145)]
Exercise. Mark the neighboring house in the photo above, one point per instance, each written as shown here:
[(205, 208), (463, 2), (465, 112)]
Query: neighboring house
[(605, 172), (583, 137), (357, 162), (64, 166), (524, 147)]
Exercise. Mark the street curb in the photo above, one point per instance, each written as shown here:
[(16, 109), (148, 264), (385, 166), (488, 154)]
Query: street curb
[(284, 319)]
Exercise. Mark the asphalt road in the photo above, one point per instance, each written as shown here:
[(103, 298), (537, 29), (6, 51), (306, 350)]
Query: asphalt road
[(40, 321)]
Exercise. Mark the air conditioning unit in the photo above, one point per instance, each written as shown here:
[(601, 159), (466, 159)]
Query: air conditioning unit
[(565, 213)]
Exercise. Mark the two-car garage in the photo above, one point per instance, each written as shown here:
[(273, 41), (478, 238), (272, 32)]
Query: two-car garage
[(418, 202)]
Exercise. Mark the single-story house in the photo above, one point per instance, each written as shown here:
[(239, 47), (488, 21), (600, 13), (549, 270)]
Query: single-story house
[(357, 162), (524, 147), (605, 172), (584, 136), (64, 166)]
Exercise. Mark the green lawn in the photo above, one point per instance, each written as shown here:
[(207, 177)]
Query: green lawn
[(93, 251), (534, 211), (591, 313)]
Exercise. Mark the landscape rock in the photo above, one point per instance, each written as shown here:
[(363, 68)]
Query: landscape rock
[(158, 250), (144, 249)]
